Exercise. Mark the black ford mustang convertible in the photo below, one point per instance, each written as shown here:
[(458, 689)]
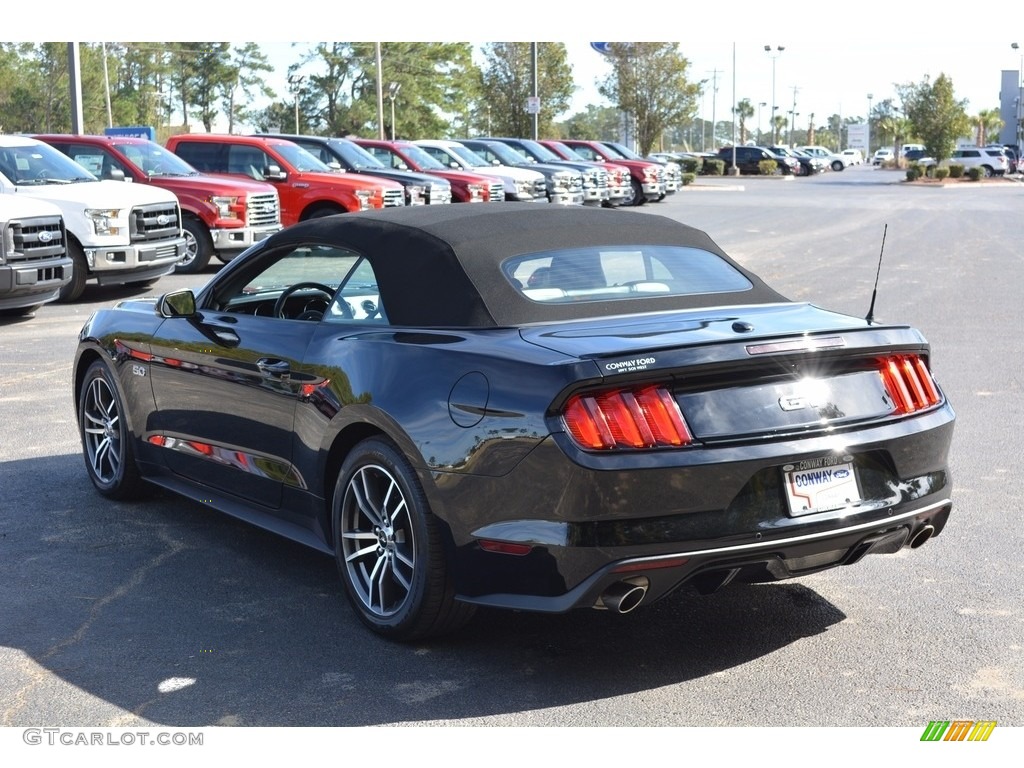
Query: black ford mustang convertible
[(536, 408)]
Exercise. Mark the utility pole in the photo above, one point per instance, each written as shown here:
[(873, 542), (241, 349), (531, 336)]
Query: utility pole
[(714, 91)]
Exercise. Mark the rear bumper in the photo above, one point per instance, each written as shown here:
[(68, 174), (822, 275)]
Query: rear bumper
[(708, 570)]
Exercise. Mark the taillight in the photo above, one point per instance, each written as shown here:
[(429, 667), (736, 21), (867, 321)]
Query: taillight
[(626, 418), (909, 383)]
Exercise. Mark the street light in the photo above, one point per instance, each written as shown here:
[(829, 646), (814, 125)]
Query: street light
[(868, 122), (393, 89), (1019, 77), (773, 54), (295, 82), (759, 105)]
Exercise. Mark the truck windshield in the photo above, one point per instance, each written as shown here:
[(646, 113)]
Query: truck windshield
[(470, 157), (300, 159), (355, 156), (34, 164), (422, 159), (153, 160)]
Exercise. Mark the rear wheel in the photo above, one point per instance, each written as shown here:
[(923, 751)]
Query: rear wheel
[(198, 248), (106, 440), (389, 548), (79, 273), (837, 165), (986, 171)]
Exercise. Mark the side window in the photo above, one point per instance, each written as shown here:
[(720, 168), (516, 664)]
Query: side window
[(89, 158), (307, 282), (250, 161), (206, 157), (439, 154)]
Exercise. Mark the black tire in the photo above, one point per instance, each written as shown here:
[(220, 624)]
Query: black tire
[(323, 210), (638, 197), (837, 165), (79, 273), (106, 440), (198, 248), (400, 585), (986, 171)]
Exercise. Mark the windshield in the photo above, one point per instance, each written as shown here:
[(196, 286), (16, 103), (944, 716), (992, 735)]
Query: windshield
[(356, 156), (539, 152), (470, 157), (618, 150), (568, 152), (299, 158), (422, 159), (154, 160), (38, 164), (503, 153)]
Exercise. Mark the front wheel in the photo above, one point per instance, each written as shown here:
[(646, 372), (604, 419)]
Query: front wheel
[(106, 439), (79, 273), (198, 248), (388, 547), (837, 165), (638, 197)]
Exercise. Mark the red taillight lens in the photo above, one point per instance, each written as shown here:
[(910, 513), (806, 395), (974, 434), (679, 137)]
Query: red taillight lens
[(627, 418), (909, 383)]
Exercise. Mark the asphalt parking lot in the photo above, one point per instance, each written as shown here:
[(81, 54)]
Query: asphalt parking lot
[(104, 603)]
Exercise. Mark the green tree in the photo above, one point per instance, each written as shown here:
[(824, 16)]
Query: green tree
[(935, 115), (987, 123), (246, 64), (601, 123), (649, 82), (743, 111), (506, 82)]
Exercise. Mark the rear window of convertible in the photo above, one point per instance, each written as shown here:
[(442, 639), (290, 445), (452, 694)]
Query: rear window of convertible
[(621, 272)]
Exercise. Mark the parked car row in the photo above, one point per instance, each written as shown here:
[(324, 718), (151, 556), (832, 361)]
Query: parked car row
[(207, 195)]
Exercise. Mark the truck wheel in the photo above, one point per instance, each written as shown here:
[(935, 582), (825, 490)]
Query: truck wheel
[(319, 211), (638, 197), (837, 165), (198, 248), (79, 273)]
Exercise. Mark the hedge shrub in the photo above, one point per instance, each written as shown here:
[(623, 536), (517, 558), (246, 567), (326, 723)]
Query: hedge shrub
[(942, 173), (956, 171), (767, 167)]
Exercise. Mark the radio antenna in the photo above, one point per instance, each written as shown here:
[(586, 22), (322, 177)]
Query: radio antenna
[(874, 291)]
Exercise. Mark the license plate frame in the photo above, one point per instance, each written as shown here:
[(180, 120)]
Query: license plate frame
[(813, 489)]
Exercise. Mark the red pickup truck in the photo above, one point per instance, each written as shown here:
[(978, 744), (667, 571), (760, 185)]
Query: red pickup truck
[(647, 178), (307, 187), (219, 216)]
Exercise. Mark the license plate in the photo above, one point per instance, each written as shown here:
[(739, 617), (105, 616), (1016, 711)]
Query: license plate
[(820, 489)]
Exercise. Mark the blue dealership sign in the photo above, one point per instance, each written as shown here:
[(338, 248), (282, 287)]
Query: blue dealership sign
[(135, 131), (602, 48)]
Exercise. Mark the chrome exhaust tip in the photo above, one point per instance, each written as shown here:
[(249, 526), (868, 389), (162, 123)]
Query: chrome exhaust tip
[(926, 532), (624, 596)]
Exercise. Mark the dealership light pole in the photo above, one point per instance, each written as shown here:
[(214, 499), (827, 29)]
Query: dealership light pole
[(393, 90), (759, 131), (295, 81), (868, 122), (773, 54), (1020, 68)]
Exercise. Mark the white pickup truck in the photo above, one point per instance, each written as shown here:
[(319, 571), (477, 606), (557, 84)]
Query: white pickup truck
[(116, 232), (34, 264)]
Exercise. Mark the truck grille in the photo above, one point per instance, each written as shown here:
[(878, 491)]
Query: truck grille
[(394, 198), (496, 192), (37, 238), (439, 195), (540, 188), (263, 209), (158, 221)]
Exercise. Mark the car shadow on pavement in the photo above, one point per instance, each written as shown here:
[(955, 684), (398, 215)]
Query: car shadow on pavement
[(179, 616)]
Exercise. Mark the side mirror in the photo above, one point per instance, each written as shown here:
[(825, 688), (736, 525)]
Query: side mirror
[(274, 173), (115, 174), (177, 304), (335, 166)]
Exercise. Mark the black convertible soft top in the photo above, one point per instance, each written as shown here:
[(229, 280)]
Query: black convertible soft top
[(441, 265)]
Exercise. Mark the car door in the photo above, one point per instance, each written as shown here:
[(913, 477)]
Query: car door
[(227, 379)]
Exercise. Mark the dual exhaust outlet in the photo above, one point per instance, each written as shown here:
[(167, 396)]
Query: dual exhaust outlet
[(623, 596)]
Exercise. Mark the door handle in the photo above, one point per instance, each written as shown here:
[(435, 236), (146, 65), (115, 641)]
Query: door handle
[(274, 368)]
